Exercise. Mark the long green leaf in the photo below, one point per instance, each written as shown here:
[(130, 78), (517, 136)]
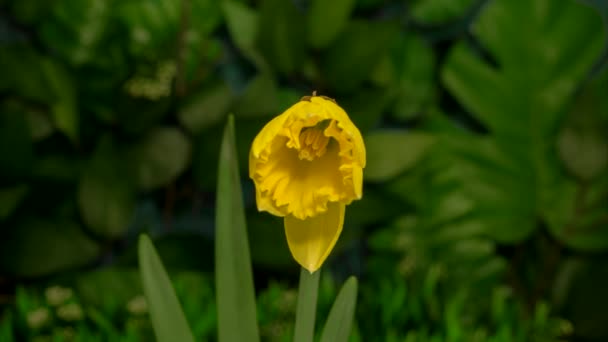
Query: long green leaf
[(168, 319), (234, 279), (307, 306), (340, 320)]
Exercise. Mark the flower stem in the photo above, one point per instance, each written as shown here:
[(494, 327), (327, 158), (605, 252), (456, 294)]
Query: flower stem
[(307, 306)]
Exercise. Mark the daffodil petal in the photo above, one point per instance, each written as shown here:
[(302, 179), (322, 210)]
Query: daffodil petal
[(311, 240)]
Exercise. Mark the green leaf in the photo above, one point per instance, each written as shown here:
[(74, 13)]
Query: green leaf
[(64, 107), (326, 19), (393, 152), (512, 173), (582, 142), (576, 216), (22, 72), (161, 157), (365, 43), (242, 24), (548, 71), (205, 108), (584, 152), (76, 29), (150, 24), (306, 309), (234, 280), (281, 34), (414, 63), (38, 247), (494, 183), (168, 319), (340, 320), (40, 124), (437, 12), (260, 99), (107, 192), (10, 198)]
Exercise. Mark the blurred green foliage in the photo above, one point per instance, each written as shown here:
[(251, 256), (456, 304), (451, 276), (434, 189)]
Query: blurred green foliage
[(484, 216)]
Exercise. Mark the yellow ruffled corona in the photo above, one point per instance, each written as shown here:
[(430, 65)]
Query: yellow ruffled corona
[(307, 165)]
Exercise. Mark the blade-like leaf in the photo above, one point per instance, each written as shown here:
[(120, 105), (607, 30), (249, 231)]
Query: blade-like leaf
[(168, 319), (306, 310), (340, 320), (234, 280)]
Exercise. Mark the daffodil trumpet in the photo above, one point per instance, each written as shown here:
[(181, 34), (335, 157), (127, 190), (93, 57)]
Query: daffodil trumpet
[(307, 165)]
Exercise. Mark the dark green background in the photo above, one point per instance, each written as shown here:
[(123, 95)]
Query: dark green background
[(485, 207)]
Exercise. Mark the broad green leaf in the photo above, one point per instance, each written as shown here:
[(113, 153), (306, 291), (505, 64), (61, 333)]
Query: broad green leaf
[(205, 16), (306, 309), (10, 198), (282, 35), (520, 100), (107, 192), (393, 152), (584, 152), (260, 99), (160, 157), (576, 215), (22, 72), (76, 28), (40, 124), (234, 280), (326, 19), (205, 108), (167, 317), (582, 142), (64, 106), (242, 24), (414, 66), (39, 247), (148, 25), (547, 73), (340, 320), (495, 185), (365, 43), (437, 12)]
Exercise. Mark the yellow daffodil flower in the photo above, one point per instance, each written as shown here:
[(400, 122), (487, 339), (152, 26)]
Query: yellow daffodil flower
[(307, 165)]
